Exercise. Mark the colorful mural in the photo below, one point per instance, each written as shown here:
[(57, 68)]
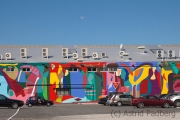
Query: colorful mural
[(137, 79)]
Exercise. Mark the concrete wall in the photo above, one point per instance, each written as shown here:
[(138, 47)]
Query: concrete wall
[(138, 79)]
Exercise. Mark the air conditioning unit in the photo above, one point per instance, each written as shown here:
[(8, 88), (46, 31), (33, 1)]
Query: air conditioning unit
[(65, 52), (75, 55), (95, 55), (45, 52), (1, 57), (141, 49), (104, 54), (8, 56), (171, 53), (160, 53), (23, 52), (84, 52), (121, 53)]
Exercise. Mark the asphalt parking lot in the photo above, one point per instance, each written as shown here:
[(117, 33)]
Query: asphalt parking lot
[(89, 111)]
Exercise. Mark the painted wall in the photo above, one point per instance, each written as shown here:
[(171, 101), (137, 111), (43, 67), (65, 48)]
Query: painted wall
[(138, 79)]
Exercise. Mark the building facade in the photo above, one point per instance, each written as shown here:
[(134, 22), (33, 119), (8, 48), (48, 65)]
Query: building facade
[(72, 80)]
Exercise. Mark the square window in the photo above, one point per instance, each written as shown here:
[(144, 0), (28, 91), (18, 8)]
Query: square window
[(93, 69), (24, 69), (8, 69), (12, 69), (89, 69), (70, 69), (75, 69), (28, 69)]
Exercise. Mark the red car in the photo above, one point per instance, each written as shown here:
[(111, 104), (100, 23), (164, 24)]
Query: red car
[(151, 100)]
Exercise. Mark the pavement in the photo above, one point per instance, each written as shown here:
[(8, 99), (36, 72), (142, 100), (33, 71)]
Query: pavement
[(87, 112)]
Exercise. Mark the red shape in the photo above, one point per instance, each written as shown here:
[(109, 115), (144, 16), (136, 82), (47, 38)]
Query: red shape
[(77, 99), (129, 70), (65, 97), (116, 84), (104, 92), (52, 94), (164, 77), (144, 87), (104, 76), (134, 90), (13, 84), (56, 67), (85, 81), (125, 89), (158, 77)]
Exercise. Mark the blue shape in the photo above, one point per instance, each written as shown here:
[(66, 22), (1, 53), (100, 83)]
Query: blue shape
[(76, 78), (124, 74), (175, 69), (3, 86), (22, 77)]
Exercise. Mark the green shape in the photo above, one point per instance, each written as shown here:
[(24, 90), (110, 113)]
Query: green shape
[(45, 88)]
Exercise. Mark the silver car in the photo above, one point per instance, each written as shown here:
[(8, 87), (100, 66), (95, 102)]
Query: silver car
[(120, 100), (175, 99)]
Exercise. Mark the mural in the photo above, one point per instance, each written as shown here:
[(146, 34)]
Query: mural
[(49, 79)]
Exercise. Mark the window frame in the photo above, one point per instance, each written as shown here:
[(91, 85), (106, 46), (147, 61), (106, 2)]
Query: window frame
[(112, 69), (72, 69), (91, 69), (26, 70), (11, 69)]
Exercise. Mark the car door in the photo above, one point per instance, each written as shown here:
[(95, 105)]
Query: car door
[(34, 100), (153, 100), (147, 101), (4, 102), (123, 99), (129, 99)]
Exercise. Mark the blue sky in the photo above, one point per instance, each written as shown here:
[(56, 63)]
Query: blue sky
[(31, 22)]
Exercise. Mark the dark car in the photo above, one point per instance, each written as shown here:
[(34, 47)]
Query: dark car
[(11, 103), (36, 100), (103, 100), (151, 100), (168, 96)]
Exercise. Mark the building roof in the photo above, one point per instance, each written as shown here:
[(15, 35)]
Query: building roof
[(34, 53)]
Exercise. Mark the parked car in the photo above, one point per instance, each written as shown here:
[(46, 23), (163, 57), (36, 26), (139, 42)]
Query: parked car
[(11, 103), (168, 96), (103, 100), (175, 99), (151, 100), (122, 99), (36, 100), (111, 96)]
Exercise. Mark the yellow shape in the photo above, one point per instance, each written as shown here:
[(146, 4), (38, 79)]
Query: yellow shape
[(9, 64), (165, 81), (59, 99), (66, 73), (13, 75), (144, 74), (153, 77), (59, 69), (54, 79)]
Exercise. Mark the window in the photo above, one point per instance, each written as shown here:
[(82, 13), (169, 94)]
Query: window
[(122, 96), (92, 69), (73, 69), (10, 69), (2, 98), (26, 70), (152, 97), (104, 69), (112, 69), (62, 91)]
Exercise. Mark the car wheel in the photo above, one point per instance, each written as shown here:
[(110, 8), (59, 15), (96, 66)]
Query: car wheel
[(29, 105), (14, 105), (166, 105), (48, 104), (140, 105), (177, 103), (119, 104)]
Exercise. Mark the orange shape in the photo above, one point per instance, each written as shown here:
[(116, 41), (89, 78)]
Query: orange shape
[(137, 72)]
